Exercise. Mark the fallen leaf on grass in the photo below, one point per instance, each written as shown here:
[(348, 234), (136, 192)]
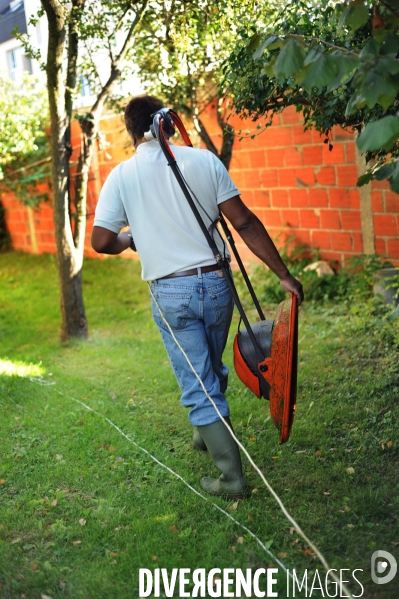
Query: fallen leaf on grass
[(33, 566), (252, 438), (249, 517), (308, 552), (53, 503), (113, 553), (282, 554), (233, 507), (113, 562), (254, 490), (111, 448), (17, 540), (173, 528), (154, 558), (2, 481), (58, 456), (82, 522), (317, 454), (389, 444), (240, 540), (350, 470), (45, 596), (350, 526), (233, 548), (76, 542)]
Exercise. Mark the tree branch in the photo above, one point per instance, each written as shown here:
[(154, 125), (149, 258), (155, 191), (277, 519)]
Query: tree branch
[(73, 42), (119, 24), (203, 133), (116, 65), (321, 41), (227, 137), (389, 7)]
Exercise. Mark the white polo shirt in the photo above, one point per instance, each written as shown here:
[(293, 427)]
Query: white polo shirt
[(142, 192)]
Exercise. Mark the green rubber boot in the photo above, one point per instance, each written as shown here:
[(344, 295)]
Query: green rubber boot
[(198, 442), (225, 454)]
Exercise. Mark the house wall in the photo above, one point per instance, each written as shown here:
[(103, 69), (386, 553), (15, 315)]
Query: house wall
[(287, 176)]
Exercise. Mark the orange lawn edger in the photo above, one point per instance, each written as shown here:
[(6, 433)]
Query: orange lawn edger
[(265, 353)]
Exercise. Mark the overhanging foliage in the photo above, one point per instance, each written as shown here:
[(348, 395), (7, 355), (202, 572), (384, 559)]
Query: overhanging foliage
[(24, 146), (337, 63)]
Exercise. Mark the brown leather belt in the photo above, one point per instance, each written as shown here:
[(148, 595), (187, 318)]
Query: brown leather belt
[(193, 271)]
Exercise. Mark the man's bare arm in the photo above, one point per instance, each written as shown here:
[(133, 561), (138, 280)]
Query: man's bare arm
[(104, 241), (255, 236)]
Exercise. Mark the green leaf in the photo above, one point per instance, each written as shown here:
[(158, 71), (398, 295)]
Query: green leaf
[(379, 135), (372, 48), (385, 171), (259, 51), (254, 43), (394, 180), (390, 45), (376, 88), (364, 179), (345, 66), (268, 67), (355, 15), (313, 55), (387, 66), (355, 101), (289, 60), (320, 73)]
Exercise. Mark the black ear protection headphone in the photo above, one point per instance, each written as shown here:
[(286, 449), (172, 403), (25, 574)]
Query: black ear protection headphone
[(168, 124)]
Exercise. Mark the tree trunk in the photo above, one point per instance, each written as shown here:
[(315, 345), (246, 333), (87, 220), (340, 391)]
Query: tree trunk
[(61, 84), (226, 150), (69, 258)]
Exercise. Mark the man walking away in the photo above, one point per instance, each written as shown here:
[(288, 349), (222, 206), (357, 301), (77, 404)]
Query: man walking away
[(190, 294)]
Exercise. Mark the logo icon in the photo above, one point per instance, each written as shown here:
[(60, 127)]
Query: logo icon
[(384, 563)]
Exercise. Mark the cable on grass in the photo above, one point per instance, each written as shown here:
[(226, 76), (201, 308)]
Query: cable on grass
[(247, 530)]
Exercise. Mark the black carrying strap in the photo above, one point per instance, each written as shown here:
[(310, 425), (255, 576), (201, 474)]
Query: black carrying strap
[(237, 256), (220, 260)]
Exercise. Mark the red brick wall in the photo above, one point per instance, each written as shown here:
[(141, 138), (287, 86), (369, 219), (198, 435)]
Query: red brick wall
[(299, 188), (286, 175)]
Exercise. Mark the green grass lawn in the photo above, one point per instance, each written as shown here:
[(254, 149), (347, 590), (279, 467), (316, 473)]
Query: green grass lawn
[(83, 507)]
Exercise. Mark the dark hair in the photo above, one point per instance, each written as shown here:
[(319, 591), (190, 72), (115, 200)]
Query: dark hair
[(138, 114)]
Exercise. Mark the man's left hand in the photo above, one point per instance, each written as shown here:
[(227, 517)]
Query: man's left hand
[(292, 285)]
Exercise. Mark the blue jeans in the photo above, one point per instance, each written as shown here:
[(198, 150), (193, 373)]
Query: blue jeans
[(198, 309)]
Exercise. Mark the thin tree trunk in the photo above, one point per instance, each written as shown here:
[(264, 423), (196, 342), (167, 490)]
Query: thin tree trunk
[(226, 150), (69, 260), (70, 245)]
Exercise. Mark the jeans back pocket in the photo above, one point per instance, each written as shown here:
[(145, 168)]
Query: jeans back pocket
[(174, 307)]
